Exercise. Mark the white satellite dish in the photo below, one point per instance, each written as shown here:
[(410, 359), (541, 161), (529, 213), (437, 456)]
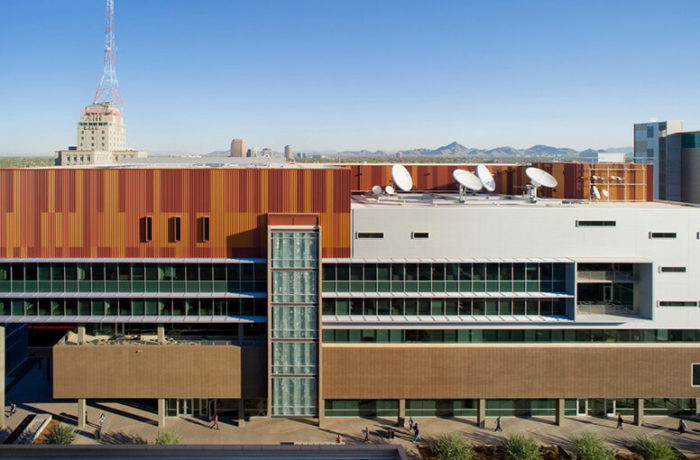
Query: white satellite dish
[(606, 194), (389, 190), (596, 193), (595, 177), (377, 189), (402, 178), (486, 178), (538, 178), (467, 179), (541, 178)]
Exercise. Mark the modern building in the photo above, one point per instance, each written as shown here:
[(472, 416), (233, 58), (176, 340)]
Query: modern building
[(281, 292), (238, 148), (602, 157), (266, 152), (101, 138), (651, 146), (288, 152), (252, 152), (690, 165)]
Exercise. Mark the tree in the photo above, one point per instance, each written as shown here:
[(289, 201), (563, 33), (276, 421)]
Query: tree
[(167, 437), (519, 447), (451, 447), (591, 446), (60, 434)]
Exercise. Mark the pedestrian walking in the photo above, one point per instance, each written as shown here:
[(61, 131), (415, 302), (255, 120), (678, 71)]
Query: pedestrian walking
[(339, 439), (366, 430), (13, 408), (417, 436), (498, 424), (411, 423), (102, 423), (619, 422), (682, 428), (215, 425)]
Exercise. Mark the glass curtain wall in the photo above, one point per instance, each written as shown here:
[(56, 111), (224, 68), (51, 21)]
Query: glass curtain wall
[(294, 301)]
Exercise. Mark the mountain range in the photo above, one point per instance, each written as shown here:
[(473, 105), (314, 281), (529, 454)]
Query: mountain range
[(455, 149)]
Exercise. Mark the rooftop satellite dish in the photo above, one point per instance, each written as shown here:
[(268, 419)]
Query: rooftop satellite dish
[(595, 177), (596, 193), (541, 178), (606, 194), (402, 178), (377, 189), (538, 178), (389, 190), (486, 178), (467, 179)]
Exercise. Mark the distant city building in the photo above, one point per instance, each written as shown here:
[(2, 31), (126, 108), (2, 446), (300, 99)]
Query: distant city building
[(651, 146), (252, 152), (266, 152), (238, 148), (399, 154), (101, 129), (101, 138), (288, 152), (689, 146)]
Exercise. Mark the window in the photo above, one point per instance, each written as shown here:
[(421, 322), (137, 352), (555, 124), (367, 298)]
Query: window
[(595, 223), (146, 229), (668, 303), (650, 131), (695, 370), (417, 235), (174, 229), (203, 229), (369, 235), (672, 269), (661, 235)]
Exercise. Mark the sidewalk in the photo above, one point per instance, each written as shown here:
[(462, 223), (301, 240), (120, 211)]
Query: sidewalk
[(127, 425)]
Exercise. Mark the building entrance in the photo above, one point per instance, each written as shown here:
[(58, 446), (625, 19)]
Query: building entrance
[(205, 408)]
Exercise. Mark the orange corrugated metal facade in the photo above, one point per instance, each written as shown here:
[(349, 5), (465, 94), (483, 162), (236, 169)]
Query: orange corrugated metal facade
[(64, 212), (575, 180)]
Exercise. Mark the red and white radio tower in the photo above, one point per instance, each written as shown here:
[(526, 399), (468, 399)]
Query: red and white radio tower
[(108, 90)]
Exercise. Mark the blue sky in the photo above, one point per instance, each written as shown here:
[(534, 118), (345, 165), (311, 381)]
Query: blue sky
[(324, 75)]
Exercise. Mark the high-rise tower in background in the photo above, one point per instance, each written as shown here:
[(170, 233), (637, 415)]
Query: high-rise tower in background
[(288, 152), (238, 148), (101, 129)]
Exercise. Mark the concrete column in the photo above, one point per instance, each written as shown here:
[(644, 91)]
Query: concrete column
[(81, 334), (481, 414), (639, 411), (161, 413), (559, 417), (161, 334), (82, 417), (402, 413), (3, 421), (321, 412), (241, 413)]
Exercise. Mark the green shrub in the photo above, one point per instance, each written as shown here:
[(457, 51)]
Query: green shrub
[(519, 447), (655, 449), (451, 447), (167, 437), (591, 446), (60, 434)]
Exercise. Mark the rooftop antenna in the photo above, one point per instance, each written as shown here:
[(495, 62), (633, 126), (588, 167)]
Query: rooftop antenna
[(377, 189), (538, 178), (596, 193), (108, 89), (401, 177), (606, 194), (467, 181), (486, 178), (389, 190)]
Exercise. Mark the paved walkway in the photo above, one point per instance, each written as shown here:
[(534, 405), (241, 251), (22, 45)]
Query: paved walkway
[(127, 425)]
